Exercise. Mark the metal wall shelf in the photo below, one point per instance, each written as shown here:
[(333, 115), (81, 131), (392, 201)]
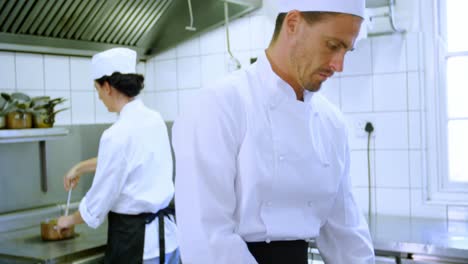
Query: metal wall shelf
[(31, 135), (40, 135)]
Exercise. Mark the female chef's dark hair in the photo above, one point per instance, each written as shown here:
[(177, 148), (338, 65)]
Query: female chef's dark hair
[(129, 84), (311, 18)]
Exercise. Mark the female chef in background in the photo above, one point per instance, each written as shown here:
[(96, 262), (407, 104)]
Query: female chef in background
[(133, 179)]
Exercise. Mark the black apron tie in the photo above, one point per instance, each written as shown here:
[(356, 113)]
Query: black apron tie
[(162, 241)]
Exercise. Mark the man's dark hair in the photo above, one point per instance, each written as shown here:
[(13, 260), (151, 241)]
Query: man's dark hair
[(129, 84), (310, 17)]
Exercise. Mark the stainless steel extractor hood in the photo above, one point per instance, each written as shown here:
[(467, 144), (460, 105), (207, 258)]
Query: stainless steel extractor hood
[(82, 27)]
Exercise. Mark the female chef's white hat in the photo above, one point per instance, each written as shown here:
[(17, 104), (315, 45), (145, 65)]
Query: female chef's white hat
[(121, 60), (354, 7)]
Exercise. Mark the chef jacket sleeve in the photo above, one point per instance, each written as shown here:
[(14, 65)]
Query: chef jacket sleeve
[(108, 181), (206, 143), (345, 238)]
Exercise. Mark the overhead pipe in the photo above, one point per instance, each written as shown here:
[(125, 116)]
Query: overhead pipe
[(191, 27), (391, 6), (233, 61)]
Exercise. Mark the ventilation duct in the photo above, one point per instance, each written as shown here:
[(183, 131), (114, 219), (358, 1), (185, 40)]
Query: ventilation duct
[(83, 27)]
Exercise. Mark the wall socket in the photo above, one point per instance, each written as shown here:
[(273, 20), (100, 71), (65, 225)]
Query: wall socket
[(359, 127)]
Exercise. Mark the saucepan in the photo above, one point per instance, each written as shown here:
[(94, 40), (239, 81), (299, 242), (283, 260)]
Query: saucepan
[(49, 231)]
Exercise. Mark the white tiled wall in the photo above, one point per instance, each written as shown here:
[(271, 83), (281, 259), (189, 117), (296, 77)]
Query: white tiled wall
[(356, 93), (56, 76), (7, 71), (57, 73), (382, 83), (397, 116), (29, 72)]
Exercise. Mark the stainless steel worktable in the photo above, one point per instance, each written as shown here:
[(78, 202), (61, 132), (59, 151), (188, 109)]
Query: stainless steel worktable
[(420, 236), (26, 244), (394, 236), (407, 237)]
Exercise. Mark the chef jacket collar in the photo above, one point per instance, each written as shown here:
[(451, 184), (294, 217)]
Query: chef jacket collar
[(277, 88), (130, 107)]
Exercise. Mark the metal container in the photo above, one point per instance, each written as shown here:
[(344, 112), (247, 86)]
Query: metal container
[(50, 233), (43, 120), (17, 120)]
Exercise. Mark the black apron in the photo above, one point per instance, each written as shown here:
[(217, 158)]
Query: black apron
[(279, 252), (126, 237)]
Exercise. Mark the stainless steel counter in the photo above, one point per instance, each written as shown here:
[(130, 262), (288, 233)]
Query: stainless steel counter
[(26, 245), (419, 238), (405, 238)]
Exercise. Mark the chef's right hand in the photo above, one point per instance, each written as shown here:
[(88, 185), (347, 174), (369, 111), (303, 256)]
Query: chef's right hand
[(71, 179), (64, 223)]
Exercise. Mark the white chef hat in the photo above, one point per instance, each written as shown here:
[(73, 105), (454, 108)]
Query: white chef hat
[(121, 60), (354, 7)]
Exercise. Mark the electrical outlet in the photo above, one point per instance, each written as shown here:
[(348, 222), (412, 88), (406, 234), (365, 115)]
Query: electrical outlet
[(360, 125)]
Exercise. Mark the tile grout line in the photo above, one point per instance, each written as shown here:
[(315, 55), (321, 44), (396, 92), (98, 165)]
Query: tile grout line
[(410, 198), (16, 71), (43, 74)]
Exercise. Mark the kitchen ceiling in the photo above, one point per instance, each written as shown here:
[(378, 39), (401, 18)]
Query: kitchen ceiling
[(82, 27)]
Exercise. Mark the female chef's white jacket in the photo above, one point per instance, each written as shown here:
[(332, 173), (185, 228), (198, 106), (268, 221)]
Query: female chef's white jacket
[(133, 174), (255, 164)]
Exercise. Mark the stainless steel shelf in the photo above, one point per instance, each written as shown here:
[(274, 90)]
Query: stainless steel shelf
[(31, 135), (40, 135)]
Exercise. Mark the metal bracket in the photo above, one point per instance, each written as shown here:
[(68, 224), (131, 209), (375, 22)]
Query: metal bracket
[(390, 14), (43, 165)]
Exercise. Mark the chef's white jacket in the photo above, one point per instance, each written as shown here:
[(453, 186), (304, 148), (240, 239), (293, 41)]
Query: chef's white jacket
[(255, 164), (133, 174)]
